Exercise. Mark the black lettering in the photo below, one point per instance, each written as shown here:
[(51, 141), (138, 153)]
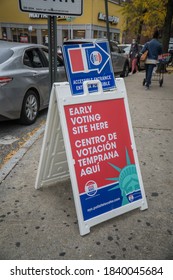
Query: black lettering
[(67, 271), (11, 271)]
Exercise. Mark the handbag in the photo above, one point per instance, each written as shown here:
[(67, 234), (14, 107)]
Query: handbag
[(144, 56)]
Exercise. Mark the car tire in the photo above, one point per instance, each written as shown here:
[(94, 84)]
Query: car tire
[(30, 108), (125, 72)]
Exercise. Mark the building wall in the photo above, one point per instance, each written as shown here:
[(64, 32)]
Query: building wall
[(19, 26)]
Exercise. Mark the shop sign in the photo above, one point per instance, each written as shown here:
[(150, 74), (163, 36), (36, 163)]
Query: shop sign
[(55, 7), (112, 19), (37, 16), (93, 62), (41, 16)]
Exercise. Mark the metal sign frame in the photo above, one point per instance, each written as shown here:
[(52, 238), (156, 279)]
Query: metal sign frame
[(50, 7)]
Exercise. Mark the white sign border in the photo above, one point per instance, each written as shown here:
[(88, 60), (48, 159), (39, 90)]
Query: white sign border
[(52, 13), (68, 99)]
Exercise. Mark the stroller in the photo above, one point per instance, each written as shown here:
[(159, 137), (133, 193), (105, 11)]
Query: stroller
[(158, 72)]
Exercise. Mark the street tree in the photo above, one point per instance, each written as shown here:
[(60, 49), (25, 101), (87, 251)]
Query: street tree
[(167, 25), (144, 16)]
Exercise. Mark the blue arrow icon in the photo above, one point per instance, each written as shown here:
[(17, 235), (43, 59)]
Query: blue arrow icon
[(96, 57)]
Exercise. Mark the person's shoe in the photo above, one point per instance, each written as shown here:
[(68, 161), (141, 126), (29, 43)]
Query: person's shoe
[(146, 87), (130, 73)]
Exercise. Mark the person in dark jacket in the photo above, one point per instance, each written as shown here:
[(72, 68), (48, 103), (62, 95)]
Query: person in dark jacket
[(154, 50), (134, 54)]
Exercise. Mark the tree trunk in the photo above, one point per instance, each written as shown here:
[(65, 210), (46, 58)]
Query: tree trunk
[(167, 26), (140, 31)]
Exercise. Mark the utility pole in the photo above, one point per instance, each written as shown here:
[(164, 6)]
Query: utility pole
[(52, 42), (107, 20)]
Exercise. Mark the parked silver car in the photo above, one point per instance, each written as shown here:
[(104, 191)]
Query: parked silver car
[(24, 80), (120, 63)]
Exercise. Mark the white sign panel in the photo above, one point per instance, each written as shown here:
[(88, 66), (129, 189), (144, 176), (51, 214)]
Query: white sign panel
[(52, 7)]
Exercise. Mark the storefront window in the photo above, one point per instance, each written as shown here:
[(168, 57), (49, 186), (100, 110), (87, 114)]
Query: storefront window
[(117, 37), (78, 34), (44, 33), (4, 33), (95, 34), (100, 34), (65, 34), (104, 34), (22, 35)]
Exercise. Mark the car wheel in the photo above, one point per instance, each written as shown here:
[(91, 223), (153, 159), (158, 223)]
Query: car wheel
[(125, 72), (30, 108)]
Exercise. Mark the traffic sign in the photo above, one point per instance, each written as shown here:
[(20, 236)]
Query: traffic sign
[(52, 7), (91, 61)]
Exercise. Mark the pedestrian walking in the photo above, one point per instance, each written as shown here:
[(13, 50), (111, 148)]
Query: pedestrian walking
[(134, 56), (154, 49)]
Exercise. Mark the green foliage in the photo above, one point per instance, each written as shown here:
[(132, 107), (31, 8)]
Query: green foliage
[(143, 16)]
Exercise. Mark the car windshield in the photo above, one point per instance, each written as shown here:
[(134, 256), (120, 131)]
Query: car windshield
[(5, 54), (125, 48)]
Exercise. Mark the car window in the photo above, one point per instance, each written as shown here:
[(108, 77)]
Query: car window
[(5, 54), (32, 58), (114, 48), (46, 53), (45, 56), (59, 59), (127, 49)]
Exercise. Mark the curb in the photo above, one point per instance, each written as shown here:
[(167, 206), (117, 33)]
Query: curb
[(6, 169)]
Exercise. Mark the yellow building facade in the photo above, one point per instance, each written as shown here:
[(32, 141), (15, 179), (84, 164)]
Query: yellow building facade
[(19, 26)]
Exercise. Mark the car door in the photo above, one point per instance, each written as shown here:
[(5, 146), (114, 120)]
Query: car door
[(39, 75), (61, 74), (118, 59)]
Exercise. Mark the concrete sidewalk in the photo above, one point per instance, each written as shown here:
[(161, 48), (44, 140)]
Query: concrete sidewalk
[(42, 224)]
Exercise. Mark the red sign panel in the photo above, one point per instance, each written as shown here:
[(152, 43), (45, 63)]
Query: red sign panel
[(98, 138), (103, 156)]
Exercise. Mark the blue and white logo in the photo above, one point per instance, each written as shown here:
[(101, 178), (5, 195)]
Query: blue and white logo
[(91, 188), (96, 58)]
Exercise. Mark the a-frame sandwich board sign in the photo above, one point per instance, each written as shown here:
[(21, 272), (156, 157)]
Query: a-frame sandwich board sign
[(101, 153), (53, 165)]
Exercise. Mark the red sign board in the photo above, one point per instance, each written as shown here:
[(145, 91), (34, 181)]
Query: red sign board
[(103, 156)]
